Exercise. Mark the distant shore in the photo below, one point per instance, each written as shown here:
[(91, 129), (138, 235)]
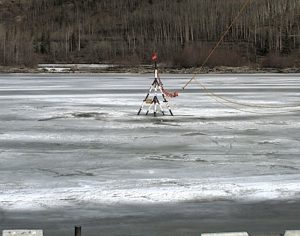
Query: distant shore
[(111, 68)]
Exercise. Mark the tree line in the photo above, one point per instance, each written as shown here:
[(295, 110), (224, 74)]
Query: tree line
[(127, 31)]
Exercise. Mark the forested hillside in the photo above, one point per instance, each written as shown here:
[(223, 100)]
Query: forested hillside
[(127, 31)]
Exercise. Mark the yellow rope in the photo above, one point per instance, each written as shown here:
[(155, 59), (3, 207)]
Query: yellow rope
[(247, 2), (244, 104), (221, 39), (216, 97)]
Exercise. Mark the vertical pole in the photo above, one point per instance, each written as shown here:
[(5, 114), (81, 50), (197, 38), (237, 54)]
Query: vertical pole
[(155, 88), (155, 73), (77, 230)]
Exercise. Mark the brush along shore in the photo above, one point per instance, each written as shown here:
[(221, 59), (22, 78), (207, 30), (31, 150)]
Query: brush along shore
[(77, 68)]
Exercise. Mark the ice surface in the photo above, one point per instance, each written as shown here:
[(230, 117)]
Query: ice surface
[(72, 140)]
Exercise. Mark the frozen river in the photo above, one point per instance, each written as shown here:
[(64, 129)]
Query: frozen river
[(73, 151)]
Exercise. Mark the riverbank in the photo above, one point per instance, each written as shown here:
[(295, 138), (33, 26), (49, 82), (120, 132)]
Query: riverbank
[(142, 69)]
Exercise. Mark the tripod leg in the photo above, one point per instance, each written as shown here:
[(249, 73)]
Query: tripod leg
[(169, 109), (141, 108), (167, 104), (150, 107), (155, 108), (160, 107), (145, 99), (143, 104)]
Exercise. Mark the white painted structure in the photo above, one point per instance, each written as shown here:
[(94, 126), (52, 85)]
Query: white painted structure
[(292, 233), (22, 232), (226, 234)]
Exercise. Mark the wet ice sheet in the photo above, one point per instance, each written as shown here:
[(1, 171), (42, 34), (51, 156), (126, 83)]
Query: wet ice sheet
[(152, 191), (65, 140)]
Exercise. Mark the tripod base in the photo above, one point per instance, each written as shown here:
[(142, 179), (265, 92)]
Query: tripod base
[(151, 102)]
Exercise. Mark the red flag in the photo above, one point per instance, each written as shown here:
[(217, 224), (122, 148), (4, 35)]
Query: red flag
[(154, 56)]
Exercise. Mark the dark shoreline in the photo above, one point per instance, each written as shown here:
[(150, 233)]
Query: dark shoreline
[(142, 69)]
